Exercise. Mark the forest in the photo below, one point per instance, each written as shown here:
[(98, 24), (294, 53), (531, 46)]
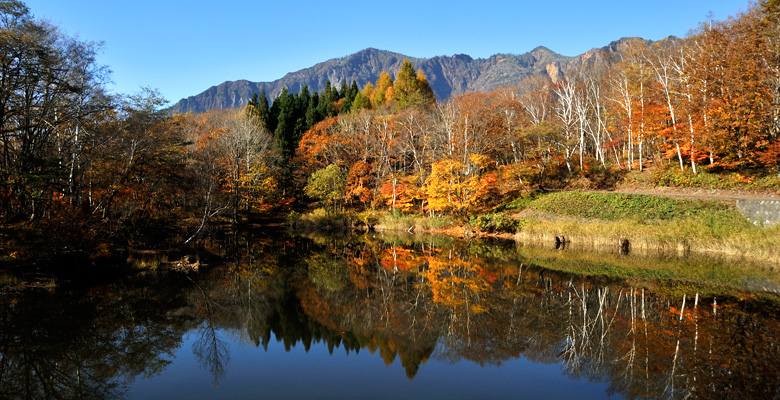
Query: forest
[(88, 171)]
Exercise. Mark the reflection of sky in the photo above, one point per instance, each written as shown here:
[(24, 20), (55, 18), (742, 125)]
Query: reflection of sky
[(254, 373)]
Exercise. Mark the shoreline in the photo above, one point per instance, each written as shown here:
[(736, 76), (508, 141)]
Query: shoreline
[(625, 244)]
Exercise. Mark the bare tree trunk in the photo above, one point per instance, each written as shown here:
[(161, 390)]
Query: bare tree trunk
[(679, 156)]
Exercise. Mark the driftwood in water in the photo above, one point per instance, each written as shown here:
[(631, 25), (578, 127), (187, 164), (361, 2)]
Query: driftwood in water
[(625, 246), (560, 242)]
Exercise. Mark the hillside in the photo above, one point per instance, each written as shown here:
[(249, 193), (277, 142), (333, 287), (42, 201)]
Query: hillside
[(448, 75)]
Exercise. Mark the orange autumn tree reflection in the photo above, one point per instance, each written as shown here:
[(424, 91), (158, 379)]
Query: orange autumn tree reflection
[(452, 301)]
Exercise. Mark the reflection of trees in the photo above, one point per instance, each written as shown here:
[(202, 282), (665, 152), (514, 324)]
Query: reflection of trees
[(211, 352), (209, 349), (401, 299), (384, 309), (84, 346)]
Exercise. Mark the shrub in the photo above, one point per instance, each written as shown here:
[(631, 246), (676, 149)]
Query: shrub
[(497, 222), (319, 218), (604, 178)]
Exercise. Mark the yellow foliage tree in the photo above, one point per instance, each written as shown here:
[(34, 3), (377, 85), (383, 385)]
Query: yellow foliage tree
[(380, 93), (454, 186)]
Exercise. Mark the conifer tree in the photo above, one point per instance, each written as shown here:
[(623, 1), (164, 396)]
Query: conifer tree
[(361, 102), (261, 108), (312, 112), (411, 89), (343, 89), (353, 89), (329, 96), (286, 122), (349, 98)]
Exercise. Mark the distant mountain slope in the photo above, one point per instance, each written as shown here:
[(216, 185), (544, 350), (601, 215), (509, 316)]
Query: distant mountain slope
[(448, 76)]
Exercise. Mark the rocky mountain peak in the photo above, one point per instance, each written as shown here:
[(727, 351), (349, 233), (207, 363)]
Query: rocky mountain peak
[(447, 75)]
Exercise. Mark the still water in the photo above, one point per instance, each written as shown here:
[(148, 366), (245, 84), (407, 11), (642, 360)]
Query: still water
[(275, 316)]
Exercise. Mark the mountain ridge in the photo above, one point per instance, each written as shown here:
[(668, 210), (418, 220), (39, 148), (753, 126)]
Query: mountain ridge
[(447, 75)]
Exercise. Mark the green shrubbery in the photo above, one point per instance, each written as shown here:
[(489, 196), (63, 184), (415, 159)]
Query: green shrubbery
[(319, 218), (496, 222)]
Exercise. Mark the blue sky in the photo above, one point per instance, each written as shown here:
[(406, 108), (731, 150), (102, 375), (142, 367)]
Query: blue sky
[(184, 47)]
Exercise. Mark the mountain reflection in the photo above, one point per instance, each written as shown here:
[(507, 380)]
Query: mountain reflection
[(400, 299)]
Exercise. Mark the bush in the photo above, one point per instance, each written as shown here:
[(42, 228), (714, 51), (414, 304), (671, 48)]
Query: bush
[(497, 222), (319, 218), (604, 178)]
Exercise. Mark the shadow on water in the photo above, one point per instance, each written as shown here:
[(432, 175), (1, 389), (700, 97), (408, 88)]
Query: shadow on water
[(402, 299)]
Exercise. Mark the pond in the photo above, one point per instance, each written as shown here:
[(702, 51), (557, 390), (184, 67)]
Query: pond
[(270, 315)]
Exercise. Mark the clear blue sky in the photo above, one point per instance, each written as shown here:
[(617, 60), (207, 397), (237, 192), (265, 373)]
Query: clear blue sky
[(184, 47)]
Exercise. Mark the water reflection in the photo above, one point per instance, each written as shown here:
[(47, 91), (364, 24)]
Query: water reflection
[(75, 345), (399, 299)]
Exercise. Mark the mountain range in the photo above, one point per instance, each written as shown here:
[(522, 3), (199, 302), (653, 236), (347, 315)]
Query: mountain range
[(448, 76)]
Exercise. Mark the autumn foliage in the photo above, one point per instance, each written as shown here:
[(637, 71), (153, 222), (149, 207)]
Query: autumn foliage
[(708, 101), (122, 168)]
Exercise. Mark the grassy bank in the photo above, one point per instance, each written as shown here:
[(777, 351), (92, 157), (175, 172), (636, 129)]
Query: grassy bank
[(638, 223), (647, 223)]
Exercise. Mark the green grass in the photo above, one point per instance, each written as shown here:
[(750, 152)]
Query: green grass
[(759, 180), (619, 206), (321, 219)]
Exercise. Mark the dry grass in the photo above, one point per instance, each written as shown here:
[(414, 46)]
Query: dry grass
[(686, 236)]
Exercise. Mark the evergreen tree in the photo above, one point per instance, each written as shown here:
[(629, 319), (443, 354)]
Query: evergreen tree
[(329, 96), (261, 109), (273, 115), (304, 99), (327, 93), (312, 112), (343, 89), (346, 105), (285, 122), (353, 90), (301, 106), (349, 97), (361, 102), (411, 89)]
